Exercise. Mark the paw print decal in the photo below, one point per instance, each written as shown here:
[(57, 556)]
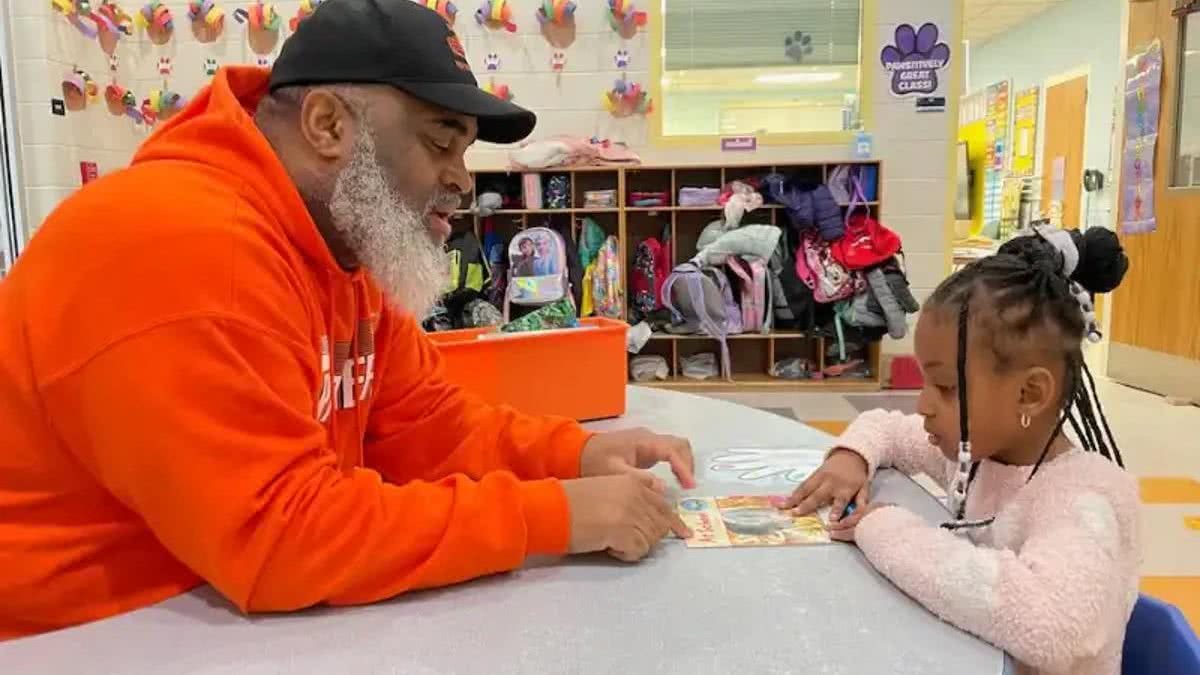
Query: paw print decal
[(915, 59), (164, 66), (210, 66), (492, 62), (263, 62), (113, 62), (797, 46), (621, 58), (557, 61)]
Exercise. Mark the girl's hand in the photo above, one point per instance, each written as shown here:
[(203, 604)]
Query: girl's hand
[(843, 530), (840, 480)]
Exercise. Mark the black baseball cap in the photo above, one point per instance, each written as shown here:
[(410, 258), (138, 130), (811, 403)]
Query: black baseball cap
[(401, 43)]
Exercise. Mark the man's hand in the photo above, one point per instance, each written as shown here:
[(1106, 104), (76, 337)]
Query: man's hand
[(840, 480), (625, 515), (623, 452)]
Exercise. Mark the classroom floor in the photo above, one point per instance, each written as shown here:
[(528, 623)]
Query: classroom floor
[(1160, 444)]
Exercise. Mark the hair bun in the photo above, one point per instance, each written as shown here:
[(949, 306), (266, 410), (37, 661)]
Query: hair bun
[(1035, 252), (1102, 261)]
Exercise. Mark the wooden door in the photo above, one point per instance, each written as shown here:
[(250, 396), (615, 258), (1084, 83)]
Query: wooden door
[(1156, 311), (1066, 115)]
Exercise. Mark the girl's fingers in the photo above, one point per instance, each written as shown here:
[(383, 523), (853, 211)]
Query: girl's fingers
[(846, 534), (863, 498), (815, 499), (806, 488), (837, 508)]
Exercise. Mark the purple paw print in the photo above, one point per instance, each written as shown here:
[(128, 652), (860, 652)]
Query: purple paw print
[(492, 62), (621, 58), (915, 59)]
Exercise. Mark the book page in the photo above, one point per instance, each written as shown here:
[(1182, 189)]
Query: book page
[(722, 522)]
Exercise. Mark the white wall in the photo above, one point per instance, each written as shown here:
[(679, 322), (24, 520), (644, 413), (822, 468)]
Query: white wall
[(1074, 35), (45, 47)]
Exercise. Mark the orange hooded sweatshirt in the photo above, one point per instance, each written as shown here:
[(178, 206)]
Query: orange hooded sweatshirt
[(191, 390)]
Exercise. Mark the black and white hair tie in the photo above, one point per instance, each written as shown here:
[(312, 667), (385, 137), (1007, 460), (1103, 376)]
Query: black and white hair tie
[(1065, 245)]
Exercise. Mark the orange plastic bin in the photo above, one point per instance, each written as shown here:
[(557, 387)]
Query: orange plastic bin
[(576, 373)]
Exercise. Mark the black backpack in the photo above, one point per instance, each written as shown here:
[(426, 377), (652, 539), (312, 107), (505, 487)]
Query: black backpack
[(793, 302), (468, 268)]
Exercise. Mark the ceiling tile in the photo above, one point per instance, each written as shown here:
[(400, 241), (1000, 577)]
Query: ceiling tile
[(986, 20)]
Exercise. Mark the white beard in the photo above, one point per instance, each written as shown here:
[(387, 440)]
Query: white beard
[(389, 236)]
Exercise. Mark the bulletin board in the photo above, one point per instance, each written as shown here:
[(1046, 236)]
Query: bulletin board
[(1025, 121), (998, 148)]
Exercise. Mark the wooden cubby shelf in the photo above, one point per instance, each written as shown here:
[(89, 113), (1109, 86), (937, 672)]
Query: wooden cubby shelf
[(751, 354)]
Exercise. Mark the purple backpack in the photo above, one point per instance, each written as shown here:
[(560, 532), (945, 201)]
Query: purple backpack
[(701, 299)]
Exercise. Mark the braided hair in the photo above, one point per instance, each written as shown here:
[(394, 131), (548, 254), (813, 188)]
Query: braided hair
[(1037, 290)]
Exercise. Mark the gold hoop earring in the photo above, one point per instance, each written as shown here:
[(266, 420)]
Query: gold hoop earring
[(1025, 421)]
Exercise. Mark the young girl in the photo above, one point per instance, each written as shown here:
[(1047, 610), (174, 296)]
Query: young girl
[(1041, 555)]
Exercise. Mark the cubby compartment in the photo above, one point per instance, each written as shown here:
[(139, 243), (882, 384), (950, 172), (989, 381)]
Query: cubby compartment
[(663, 348), (602, 181), (646, 225), (507, 185), (785, 349), (708, 178), (507, 226), (743, 173), (646, 182), (749, 357), (803, 173), (610, 222), (688, 226), (691, 346)]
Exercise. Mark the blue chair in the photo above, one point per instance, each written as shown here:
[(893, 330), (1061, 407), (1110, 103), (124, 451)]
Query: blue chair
[(1158, 641)]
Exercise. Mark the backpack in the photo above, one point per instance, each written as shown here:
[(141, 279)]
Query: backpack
[(574, 268), (494, 253), (468, 267), (607, 296), (866, 244), (852, 183), (820, 271), (591, 238), (537, 269), (701, 299), (755, 298), (791, 300), (853, 186), (651, 267)]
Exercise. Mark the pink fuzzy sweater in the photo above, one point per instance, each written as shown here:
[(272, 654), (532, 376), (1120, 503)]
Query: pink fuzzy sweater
[(1052, 581)]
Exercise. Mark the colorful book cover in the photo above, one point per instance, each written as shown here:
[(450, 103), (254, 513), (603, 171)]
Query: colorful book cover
[(722, 522)]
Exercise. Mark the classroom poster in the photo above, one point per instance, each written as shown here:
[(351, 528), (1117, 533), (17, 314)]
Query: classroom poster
[(997, 148), (1025, 121), (914, 59), (1143, 102)]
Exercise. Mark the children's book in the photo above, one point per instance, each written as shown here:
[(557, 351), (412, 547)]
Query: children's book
[(722, 522)]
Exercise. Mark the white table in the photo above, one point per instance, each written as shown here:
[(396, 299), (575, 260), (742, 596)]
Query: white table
[(815, 609)]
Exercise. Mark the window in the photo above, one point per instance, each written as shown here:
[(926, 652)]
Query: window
[(742, 68), (1187, 142)]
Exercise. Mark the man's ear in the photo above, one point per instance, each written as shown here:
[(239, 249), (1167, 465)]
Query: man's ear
[(327, 124), (1039, 392)]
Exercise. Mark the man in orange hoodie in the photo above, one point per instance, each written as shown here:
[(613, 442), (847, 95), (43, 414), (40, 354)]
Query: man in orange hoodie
[(210, 370)]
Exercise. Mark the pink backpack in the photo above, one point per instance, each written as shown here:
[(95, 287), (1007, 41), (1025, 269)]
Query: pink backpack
[(816, 266), (755, 300)]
